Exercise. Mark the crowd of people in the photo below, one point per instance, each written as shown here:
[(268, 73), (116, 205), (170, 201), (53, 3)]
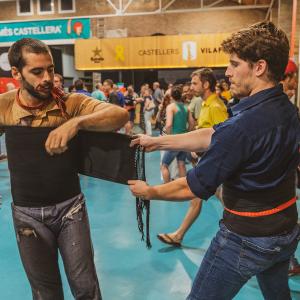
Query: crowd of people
[(241, 136), (147, 106)]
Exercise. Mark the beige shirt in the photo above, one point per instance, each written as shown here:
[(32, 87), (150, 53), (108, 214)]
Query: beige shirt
[(195, 107), (50, 116)]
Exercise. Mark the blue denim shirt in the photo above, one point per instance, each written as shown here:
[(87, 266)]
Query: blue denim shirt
[(83, 92), (256, 149)]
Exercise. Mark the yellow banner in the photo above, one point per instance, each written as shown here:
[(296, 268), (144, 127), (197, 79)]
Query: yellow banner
[(155, 52)]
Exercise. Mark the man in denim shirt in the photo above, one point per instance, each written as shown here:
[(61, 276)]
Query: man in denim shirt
[(254, 154)]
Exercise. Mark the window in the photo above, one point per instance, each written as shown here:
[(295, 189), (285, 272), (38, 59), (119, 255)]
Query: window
[(66, 6), (45, 7), (24, 8)]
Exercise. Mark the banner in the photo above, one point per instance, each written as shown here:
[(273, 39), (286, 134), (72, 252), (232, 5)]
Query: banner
[(45, 30), (155, 52)]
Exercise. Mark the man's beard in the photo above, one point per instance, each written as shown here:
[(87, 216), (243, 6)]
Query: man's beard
[(241, 91), (198, 94), (34, 92)]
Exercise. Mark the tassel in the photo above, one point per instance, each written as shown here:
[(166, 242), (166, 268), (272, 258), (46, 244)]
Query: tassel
[(141, 204), (58, 95)]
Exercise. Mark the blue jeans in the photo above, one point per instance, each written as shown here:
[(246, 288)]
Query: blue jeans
[(41, 232), (169, 156), (232, 259)]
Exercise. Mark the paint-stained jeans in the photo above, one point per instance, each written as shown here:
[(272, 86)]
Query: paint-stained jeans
[(232, 259), (41, 232)]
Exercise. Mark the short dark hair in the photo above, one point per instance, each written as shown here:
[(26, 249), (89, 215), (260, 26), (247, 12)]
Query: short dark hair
[(221, 82), (176, 93), (70, 88), (206, 74), (262, 40), (78, 84), (15, 52), (288, 75)]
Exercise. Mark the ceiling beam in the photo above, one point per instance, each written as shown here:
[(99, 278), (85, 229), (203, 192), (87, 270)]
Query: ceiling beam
[(269, 10), (112, 5), (160, 10), (215, 3), (127, 5), (168, 5)]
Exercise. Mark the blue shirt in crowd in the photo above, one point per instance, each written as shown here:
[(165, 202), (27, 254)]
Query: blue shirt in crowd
[(83, 92)]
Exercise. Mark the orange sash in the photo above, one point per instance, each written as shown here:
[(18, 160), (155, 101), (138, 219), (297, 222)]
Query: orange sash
[(263, 213)]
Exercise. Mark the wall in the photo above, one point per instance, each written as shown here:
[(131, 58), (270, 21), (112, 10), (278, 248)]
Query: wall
[(179, 23), (183, 23), (285, 16)]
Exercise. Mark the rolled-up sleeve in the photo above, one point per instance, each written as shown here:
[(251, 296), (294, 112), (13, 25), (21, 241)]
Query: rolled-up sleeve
[(79, 105), (229, 148)]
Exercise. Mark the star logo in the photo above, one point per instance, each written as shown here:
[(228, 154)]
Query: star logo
[(97, 57)]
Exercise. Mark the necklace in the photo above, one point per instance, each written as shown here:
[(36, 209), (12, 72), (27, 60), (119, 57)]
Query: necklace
[(27, 107)]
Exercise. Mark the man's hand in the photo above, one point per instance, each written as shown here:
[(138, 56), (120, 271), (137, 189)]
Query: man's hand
[(139, 189), (148, 142), (58, 138)]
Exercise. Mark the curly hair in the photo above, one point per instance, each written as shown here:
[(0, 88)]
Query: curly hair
[(262, 40)]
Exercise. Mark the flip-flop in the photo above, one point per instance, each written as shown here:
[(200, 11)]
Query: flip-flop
[(165, 238)]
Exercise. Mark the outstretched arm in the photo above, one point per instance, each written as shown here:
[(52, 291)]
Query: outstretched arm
[(177, 190), (194, 141)]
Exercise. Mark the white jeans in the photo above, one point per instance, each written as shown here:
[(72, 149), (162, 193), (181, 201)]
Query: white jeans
[(148, 116)]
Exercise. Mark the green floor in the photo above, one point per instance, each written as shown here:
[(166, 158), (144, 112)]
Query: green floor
[(126, 269)]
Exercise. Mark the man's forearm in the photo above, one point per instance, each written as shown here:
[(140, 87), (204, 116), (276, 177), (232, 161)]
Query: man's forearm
[(108, 118), (177, 190), (194, 141)]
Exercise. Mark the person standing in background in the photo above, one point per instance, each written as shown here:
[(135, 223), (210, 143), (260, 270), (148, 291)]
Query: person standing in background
[(213, 111), (80, 88), (130, 102), (158, 96), (98, 93), (110, 93), (58, 81), (177, 118), (149, 107), (290, 80)]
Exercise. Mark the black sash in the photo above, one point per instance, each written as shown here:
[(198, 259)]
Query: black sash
[(38, 179), (257, 201)]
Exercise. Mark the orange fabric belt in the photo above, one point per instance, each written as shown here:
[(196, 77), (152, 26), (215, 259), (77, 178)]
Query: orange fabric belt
[(264, 212)]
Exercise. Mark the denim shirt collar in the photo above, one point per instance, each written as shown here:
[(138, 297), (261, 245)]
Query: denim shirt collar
[(251, 101)]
